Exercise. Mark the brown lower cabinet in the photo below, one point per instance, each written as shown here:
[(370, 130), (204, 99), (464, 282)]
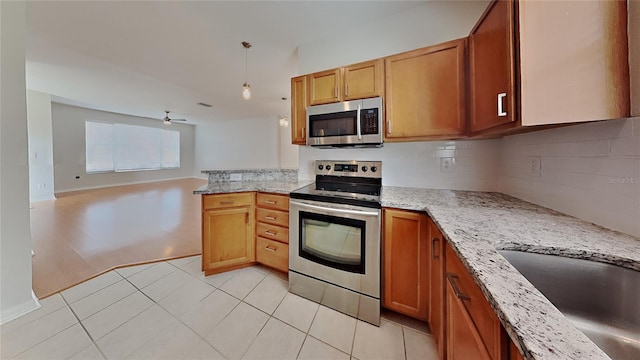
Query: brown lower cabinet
[(424, 278), (406, 263), (272, 230), (227, 232), (473, 329), (240, 229), (436, 277)]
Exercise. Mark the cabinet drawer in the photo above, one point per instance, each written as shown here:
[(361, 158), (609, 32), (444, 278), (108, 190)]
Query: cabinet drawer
[(476, 305), (273, 201), (273, 232), (273, 217), (272, 253), (226, 200)]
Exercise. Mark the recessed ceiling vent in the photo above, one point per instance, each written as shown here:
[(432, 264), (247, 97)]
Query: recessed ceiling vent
[(205, 104)]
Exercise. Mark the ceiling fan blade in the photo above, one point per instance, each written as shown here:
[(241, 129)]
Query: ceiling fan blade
[(178, 119)]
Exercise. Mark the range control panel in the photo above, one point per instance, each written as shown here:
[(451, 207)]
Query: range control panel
[(353, 168)]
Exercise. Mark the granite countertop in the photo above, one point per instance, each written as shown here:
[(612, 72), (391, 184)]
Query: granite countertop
[(477, 224), (279, 187)]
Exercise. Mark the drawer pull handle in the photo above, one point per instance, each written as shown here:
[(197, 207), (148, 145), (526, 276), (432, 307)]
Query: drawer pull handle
[(434, 254), (227, 202), (453, 278), (270, 202), (269, 217), (270, 233), (268, 248)]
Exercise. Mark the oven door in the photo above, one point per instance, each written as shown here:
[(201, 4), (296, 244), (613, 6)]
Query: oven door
[(336, 243)]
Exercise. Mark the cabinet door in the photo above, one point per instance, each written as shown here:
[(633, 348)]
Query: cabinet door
[(324, 87), (472, 326), (492, 67), (425, 93), (227, 238), (463, 340), (574, 64), (436, 298), (298, 110), (363, 80), (406, 263)]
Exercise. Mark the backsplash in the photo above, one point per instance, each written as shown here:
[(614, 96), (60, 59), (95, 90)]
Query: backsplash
[(591, 171), (252, 175), (458, 165)]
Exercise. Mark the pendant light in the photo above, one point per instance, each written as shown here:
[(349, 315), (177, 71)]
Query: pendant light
[(246, 88), (284, 120)]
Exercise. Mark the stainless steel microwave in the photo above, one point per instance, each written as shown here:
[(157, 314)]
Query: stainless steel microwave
[(348, 123)]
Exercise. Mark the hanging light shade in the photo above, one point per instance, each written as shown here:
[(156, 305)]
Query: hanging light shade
[(246, 91), (246, 88)]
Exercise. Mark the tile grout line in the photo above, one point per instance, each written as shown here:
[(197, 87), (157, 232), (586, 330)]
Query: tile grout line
[(40, 342), (93, 341), (180, 320)]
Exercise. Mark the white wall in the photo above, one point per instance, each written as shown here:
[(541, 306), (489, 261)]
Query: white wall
[(16, 297), (243, 144), (40, 134), (288, 152), (591, 171), (432, 23), (69, 150)]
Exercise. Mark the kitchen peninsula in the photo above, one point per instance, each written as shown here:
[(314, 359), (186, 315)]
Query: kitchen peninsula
[(476, 225)]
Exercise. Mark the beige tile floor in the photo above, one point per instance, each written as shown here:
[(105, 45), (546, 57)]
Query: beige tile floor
[(170, 310)]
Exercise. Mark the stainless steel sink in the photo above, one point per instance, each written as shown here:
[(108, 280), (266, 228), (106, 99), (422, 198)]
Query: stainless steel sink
[(602, 300)]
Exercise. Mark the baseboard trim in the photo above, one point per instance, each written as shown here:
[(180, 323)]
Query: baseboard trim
[(122, 184), (20, 309)]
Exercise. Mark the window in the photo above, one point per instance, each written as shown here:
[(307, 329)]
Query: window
[(119, 147)]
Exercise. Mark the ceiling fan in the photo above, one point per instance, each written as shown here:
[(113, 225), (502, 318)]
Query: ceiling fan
[(168, 120)]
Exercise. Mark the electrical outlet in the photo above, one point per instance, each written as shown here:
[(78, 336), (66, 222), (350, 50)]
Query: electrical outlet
[(235, 177), (535, 167), (447, 164)]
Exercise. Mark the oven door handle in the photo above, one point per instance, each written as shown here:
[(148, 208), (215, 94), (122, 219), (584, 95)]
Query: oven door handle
[(342, 211)]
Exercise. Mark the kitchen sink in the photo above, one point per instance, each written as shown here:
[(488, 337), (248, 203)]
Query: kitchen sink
[(602, 300)]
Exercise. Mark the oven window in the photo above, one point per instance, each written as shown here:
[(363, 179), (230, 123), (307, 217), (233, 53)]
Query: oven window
[(332, 241)]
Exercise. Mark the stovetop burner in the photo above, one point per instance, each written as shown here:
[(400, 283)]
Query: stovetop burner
[(345, 182)]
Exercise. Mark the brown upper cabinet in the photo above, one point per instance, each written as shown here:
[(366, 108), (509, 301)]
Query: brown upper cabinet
[(298, 110), (425, 93), (358, 81), (548, 62)]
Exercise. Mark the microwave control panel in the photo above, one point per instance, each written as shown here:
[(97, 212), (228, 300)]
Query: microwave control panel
[(369, 121)]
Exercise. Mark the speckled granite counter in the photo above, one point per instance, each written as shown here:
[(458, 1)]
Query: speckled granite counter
[(476, 224), (279, 187)]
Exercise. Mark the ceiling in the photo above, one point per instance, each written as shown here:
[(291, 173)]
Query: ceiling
[(143, 57)]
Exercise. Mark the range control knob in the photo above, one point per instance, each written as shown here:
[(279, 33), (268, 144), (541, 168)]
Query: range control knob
[(328, 167), (374, 168), (320, 167), (364, 168)]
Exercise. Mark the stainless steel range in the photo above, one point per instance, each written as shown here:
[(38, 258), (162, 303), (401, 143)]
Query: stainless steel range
[(334, 238)]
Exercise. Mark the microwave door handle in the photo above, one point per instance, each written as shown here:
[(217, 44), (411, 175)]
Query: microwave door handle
[(358, 130)]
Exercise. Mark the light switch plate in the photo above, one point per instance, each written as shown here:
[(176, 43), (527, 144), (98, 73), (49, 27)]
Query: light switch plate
[(236, 177)]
